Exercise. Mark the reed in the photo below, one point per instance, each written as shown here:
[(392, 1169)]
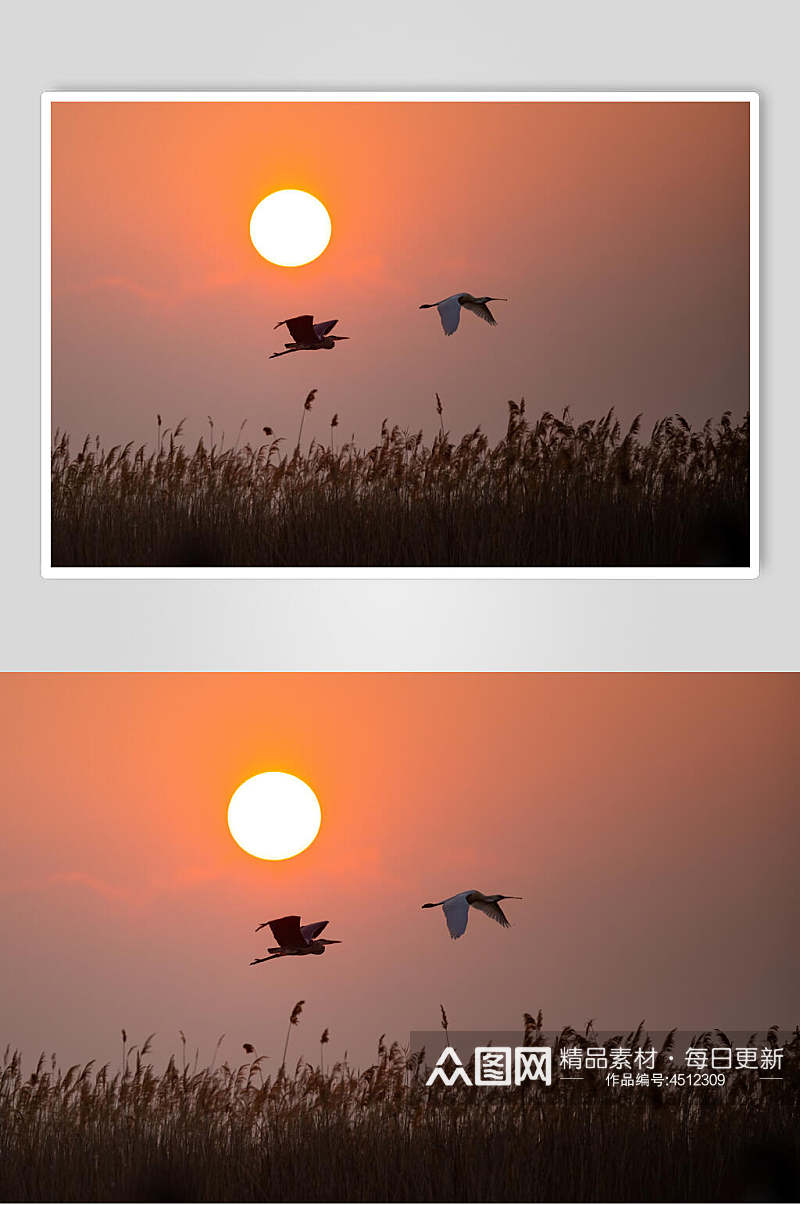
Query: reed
[(550, 492), (236, 1133)]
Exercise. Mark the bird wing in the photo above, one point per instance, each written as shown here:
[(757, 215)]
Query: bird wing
[(491, 909), (321, 329), (456, 911), (287, 932), (481, 309), (310, 932), (450, 313), (302, 328)]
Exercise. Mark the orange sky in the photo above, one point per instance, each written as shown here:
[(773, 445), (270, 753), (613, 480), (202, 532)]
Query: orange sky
[(619, 232), (649, 821)]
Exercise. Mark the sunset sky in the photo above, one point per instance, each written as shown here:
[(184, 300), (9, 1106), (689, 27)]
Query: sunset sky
[(618, 231), (649, 821)]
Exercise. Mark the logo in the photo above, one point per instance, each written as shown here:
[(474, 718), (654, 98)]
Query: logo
[(494, 1066), (661, 1059)]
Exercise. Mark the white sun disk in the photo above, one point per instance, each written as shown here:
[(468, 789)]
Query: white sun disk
[(274, 815), (290, 227)]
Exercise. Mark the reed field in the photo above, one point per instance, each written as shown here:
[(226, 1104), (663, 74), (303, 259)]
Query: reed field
[(550, 492), (271, 1130)]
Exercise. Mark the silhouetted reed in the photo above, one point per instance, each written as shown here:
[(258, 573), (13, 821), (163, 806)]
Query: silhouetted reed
[(549, 493), (237, 1133)]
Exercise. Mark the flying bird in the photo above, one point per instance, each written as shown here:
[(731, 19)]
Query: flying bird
[(456, 909), (450, 309), (294, 938), (308, 335)]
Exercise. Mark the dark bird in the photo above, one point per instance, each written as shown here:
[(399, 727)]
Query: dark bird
[(308, 335), (294, 938)]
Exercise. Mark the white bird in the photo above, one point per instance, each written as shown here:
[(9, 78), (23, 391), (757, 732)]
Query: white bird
[(456, 909), (450, 309), (308, 335), (294, 938)]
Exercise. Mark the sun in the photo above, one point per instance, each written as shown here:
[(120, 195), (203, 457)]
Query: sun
[(274, 815), (290, 228)]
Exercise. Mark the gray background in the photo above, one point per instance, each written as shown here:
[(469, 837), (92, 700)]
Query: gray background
[(437, 625)]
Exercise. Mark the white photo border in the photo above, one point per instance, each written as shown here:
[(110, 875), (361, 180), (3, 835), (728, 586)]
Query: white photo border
[(369, 573)]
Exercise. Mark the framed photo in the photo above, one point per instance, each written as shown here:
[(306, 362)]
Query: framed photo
[(400, 334)]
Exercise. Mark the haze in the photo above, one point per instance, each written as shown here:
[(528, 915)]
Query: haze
[(649, 822), (619, 232)]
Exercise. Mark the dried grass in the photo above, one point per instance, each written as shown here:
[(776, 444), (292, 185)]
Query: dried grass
[(237, 1133), (549, 493)]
